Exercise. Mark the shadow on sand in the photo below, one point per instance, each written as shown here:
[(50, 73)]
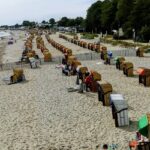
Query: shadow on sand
[(133, 127)]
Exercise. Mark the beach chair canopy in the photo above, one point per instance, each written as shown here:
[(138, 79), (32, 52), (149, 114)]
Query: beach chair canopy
[(143, 71), (143, 125), (120, 105)]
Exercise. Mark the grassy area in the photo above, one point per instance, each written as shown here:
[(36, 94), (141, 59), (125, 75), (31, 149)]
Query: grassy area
[(147, 50), (88, 36), (71, 33), (123, 43), (109, 36)]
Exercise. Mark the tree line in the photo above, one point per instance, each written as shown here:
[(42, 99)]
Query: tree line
[(64, 21), (133, 16)]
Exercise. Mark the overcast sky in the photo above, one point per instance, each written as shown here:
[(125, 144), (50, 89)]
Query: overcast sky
[(15, 11)]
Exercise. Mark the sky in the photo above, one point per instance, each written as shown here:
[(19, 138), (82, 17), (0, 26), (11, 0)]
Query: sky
[(15, 11)]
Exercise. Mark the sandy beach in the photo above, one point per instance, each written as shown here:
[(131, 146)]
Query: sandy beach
[(97, 39), (43, 115), (13, 53), (75, 48), (2, 48)]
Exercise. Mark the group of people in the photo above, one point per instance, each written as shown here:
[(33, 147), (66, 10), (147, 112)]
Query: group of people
[(138, 139), (31, 60), (83, 79), (67, 68)]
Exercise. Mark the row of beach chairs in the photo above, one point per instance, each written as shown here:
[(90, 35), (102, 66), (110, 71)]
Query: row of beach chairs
[(103, 88), (91, 46), (128, 70), (41, 45)]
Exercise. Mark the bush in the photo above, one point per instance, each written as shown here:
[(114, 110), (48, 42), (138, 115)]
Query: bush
[(88, 36), (147, 50), (127, 28), (145, 33), (71, 33), (114, 43), (95, 35), (117, 37)]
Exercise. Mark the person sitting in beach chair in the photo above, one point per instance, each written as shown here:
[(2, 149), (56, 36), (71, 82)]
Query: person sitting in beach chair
[(64, 62), (73, 70), (65, 59), (109, 58), (18, 76), (82, 73), (88, 81), (67, 69), (25, 59), (33, 62)]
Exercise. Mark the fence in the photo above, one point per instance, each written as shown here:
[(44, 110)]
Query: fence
[(58, 60), (125, 53)]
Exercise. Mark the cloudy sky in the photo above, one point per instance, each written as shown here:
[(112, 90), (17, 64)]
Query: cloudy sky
[(15, 11)]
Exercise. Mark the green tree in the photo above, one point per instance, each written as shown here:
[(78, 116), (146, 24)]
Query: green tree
[(124, 10), (17, 25), (79, 21), (32, 24), (108, 14), (63, 22), (44, 22), (71, 22), (93, 18), (26, 23), (141, 14), (52, 22), (140, 18), (114, 9), (145, 33)]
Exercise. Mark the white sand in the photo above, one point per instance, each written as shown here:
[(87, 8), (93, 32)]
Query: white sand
[(75, 48), (13, 53), (96, 39), (41, 115), (52, 50)]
